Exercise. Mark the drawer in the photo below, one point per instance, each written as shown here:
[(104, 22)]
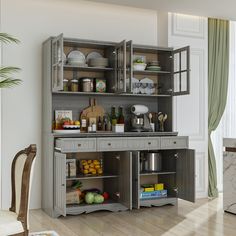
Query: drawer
[(153, 143), (66, 145), (136, 143), (144, 143), (111, 144), (174, 142)]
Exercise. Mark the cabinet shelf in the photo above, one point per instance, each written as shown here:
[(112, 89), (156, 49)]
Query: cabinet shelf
[(108, 205), (110, 94), (87, 68), (81, 177), (158, 173), (158, 201), (150, 72)]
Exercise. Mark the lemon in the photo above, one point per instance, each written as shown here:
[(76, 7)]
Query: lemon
[(86, 167)]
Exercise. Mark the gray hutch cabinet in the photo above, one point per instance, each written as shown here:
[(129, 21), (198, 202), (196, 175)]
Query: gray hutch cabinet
[(120, 152)]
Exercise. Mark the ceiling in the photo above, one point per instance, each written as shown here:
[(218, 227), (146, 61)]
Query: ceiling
[(212, 8)]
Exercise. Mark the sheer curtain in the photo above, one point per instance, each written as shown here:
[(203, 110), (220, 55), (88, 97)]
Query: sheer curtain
[(227, 126)]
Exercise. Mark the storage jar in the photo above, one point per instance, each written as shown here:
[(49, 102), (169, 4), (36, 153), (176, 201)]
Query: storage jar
[(87, 84), (65, 84), (74, 85)]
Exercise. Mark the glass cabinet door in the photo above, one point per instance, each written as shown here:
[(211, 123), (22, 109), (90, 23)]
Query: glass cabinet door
[(121, 67), (129, 66), (181, 71), (57, 63)]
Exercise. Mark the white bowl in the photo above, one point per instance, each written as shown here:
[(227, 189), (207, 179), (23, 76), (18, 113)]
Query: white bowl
[(139, 66)]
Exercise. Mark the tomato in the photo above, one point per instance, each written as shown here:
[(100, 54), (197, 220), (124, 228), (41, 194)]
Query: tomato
[(66, 123), (105, 195)]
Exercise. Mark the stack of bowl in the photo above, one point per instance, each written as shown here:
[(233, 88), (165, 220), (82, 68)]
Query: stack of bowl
[(153, 66)]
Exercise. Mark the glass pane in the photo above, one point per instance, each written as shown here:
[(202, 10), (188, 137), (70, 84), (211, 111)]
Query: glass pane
[(176, 62), (54, 50), (184, 60), (176, 82), (184, 82), (54, 76)]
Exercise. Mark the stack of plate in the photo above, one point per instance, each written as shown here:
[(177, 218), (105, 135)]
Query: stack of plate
[(98, 62), (76, 58), (153, 66), (95, 59)]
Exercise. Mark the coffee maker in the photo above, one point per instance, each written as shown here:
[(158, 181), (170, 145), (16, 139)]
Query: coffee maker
[(139, 119)]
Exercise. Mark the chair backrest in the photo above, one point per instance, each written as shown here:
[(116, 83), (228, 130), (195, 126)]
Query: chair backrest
[(21, 172)]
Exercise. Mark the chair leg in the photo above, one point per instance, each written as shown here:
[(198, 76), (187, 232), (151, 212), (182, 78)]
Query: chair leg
[(25, 233)]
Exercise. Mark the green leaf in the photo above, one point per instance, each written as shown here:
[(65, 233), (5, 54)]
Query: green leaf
[(6, 38), (10, 82), (6, 76), (6, 71)]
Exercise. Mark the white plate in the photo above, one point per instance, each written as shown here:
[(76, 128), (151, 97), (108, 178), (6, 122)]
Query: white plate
[(71, 126), (77, 56), (92, 55), (64, 131)]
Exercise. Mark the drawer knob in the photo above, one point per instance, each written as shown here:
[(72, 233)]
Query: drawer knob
[(174, 142), (149, 143), (79, 145), (109, 144)]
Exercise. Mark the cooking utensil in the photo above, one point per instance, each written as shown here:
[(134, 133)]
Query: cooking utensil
[(161, 118), (151, 162)]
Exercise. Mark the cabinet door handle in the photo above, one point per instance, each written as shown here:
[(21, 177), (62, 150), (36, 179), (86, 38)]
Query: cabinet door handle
[(79, 145), (63, 185)]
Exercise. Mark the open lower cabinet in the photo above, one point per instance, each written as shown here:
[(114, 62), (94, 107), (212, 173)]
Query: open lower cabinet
[(176, 174), (114, 180)]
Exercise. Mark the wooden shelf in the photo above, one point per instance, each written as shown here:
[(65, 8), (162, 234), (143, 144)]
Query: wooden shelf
[(87, 68), (81, 177), (150, 72), (110, 94), (158, 173)]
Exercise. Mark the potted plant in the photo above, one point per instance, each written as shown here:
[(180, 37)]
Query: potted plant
[(6, 72)]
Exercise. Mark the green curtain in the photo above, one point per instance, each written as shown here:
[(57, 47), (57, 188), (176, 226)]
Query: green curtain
[(218, 69)]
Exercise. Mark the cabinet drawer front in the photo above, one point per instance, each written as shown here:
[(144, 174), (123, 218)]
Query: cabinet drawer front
[(152, 143), (136, 144), (174, 142), (111, 144), (76, 144), (144, 143)]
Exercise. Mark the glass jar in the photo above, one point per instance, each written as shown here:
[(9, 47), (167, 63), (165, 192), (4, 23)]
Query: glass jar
[(74, 85), (87, 84), (65, 84)]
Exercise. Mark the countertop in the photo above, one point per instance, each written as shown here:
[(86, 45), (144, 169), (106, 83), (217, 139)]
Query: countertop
[(229, 142), (112, 134), (229, 175)]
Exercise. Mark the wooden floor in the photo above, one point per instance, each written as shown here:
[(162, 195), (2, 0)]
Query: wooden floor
[(205, 217)]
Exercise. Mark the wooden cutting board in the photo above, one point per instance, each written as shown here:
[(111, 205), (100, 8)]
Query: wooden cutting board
[(94, 110)]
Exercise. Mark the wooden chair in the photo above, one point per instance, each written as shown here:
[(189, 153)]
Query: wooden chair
[(15, 221)]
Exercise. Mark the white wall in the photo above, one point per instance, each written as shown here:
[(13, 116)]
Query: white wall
[(191, 111), (33, 21)]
